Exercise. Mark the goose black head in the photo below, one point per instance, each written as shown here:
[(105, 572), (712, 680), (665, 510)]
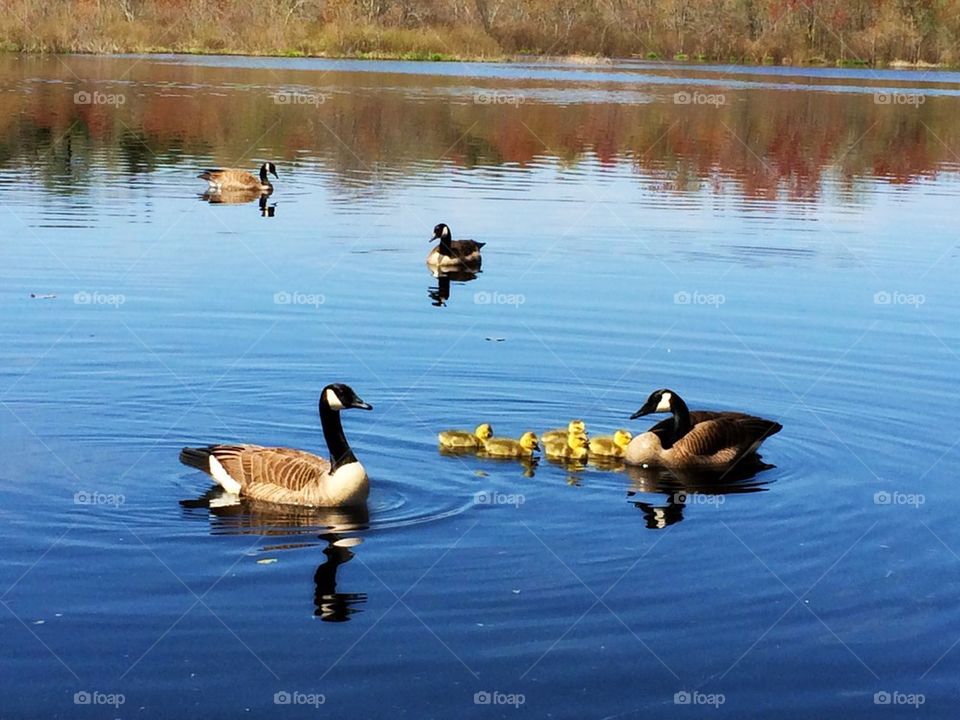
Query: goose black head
[(268, 167), (341, 397), (441, 232), (660, 401)]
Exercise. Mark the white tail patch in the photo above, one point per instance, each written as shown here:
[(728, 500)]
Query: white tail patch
[(220, 474)]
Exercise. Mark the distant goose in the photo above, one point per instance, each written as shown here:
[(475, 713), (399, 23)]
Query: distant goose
[(453, 254), (610, 446), (464, 440), (292, 477), (574, 427), (695, 440), (508, 447), (229, 179)]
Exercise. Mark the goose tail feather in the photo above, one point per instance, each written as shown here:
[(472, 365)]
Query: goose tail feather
[(196, 457)]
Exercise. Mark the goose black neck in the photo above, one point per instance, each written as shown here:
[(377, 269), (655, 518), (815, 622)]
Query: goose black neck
[(263, 175), (681, 418), (445, 247), (340, 452)]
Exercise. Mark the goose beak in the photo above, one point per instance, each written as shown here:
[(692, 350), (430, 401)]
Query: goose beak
[(647, 409), (361, 405), (435, 237)]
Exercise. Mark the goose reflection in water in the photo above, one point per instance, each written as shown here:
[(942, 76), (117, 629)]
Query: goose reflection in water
[(440, 294), (685, 487), (240, 197), (337, 527)]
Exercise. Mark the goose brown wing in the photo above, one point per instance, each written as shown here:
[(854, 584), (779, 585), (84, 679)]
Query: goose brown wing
[(715, 432), (252, 465)]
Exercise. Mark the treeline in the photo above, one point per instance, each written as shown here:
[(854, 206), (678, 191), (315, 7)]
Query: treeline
[(869, 32)]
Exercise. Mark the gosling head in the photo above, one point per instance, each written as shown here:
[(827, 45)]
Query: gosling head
[(529, 441), (339, 397), (484, 431), (660, 401), (576, 427), (622, 438), (577, 441), (441, 232)]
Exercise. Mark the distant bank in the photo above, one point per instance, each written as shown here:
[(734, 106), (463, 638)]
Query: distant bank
[(870, 33)]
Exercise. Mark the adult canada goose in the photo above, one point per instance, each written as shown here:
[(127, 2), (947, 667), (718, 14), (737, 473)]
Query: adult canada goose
[(229, 179), (574, 447), (508, 447), (453, 254), (292, 477), (696, 440), (464, 440), (611, 446), (574, 427)]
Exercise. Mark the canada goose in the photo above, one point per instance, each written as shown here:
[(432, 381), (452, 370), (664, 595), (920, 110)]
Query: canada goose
[(464, 440), (453, 254), (611, 445), (228, 179), (292, 477), (574, 427), (574, 447), (701, 439), (508, 447)]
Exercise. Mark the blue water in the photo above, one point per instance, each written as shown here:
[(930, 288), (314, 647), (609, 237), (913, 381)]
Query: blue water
[(128, 588)]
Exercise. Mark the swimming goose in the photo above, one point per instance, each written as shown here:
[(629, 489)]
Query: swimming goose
[(453, 254), (574, 427), (464, 440), (611, 446), (228, 179), (508, 447), (701, 439), (292, 477)]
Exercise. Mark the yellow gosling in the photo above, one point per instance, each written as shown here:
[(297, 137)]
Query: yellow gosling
[(465, 440), (611, 446), (510, 448)]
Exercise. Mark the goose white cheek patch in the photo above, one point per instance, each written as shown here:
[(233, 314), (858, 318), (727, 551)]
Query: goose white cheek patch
[(333, 401), (664, 405)]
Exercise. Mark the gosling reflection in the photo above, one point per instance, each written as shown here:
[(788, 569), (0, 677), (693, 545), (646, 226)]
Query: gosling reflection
[(229, 515), (684, 487), (440, 294), (241, 197)]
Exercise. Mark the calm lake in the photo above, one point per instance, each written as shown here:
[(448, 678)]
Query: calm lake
[(772, 240)]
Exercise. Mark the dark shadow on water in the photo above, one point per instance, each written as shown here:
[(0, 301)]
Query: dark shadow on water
[(338, 528), (686, 487), (240, 197), (440, 294)]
